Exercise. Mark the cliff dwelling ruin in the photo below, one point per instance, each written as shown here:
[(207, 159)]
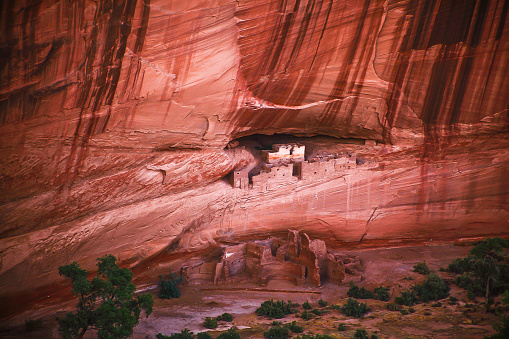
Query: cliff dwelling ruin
[(298, 259), (286, 163)]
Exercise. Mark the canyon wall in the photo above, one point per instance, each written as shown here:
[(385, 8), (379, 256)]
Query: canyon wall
[(114, 116)]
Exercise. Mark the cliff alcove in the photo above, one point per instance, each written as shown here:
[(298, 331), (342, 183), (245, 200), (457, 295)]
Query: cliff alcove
[(121, 120)]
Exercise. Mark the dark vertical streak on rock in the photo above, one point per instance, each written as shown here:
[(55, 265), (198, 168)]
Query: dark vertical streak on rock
[(303, 29), (338, 91), (462, 85), (423, 20), (480, 22), (503, 19), (285, 29), (440, 76), (452, 22), (323, 31), (142, 30)]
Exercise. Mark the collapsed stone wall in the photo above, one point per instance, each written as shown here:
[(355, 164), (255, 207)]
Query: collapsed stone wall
[(297, 259)]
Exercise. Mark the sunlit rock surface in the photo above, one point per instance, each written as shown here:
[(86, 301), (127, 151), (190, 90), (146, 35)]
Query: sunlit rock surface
[(114, 116)]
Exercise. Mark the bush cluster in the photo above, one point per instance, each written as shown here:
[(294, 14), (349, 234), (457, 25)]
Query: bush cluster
[(210, 322), (341, 327), (306, 315), (382, 293), (230, 334), (277, 331), (322, 303), (361, 333), (168, 287), (379, 293), (354, 309), (422, 268), (306, 305), (276, 309), (314, 336), (393, 307), (280, 331), (184, 334), (203, 335), (359, 293), (432, 288), (225, 317)]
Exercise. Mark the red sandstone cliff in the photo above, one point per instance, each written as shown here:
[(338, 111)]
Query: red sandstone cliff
[(113, 116)]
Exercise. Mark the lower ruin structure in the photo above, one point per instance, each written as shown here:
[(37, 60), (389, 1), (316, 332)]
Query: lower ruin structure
[(297, 259)]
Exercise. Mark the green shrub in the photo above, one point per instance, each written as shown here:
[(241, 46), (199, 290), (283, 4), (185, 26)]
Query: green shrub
[(108, 302), (411, 310), (359, 293), (210, 322), (316, 312), (461, 265), (382, 293), (407, 298), (505, 298), (322, 303), (294, 327), (230, 334), (374, 336), (393, 307), (403, 311), (341, 327), (306, 315), (33, 324), (422, 268), (314, 336), (225, 317), (277, 331), (353, 309), (453, 299), (432, 288), (502, 328), (275, 309), (475, 285), (184, 334), (203, 335), (168, 287), (334, 307), (470, 294), (306, 305), (360, 333)]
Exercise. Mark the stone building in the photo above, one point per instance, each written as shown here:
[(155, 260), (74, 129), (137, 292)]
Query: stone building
[(289, 152), (240, 178), (272, 176), (297, 259)]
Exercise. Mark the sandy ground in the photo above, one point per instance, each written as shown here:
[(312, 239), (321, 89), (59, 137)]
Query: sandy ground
[(391, 267)]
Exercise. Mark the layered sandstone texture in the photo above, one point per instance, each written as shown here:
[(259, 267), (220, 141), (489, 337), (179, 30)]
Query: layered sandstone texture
[(114, 116)]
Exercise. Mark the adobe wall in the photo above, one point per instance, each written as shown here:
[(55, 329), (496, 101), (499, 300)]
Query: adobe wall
[(334, 270), (240, 179), (297, 259)]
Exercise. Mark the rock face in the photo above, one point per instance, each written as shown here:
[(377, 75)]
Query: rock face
[(114, 116)]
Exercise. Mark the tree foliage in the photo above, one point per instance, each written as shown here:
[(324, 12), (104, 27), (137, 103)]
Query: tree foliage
[(106, 303), (485, 271), (168, 286), (353, 309), (422, 268), (276, 309)]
